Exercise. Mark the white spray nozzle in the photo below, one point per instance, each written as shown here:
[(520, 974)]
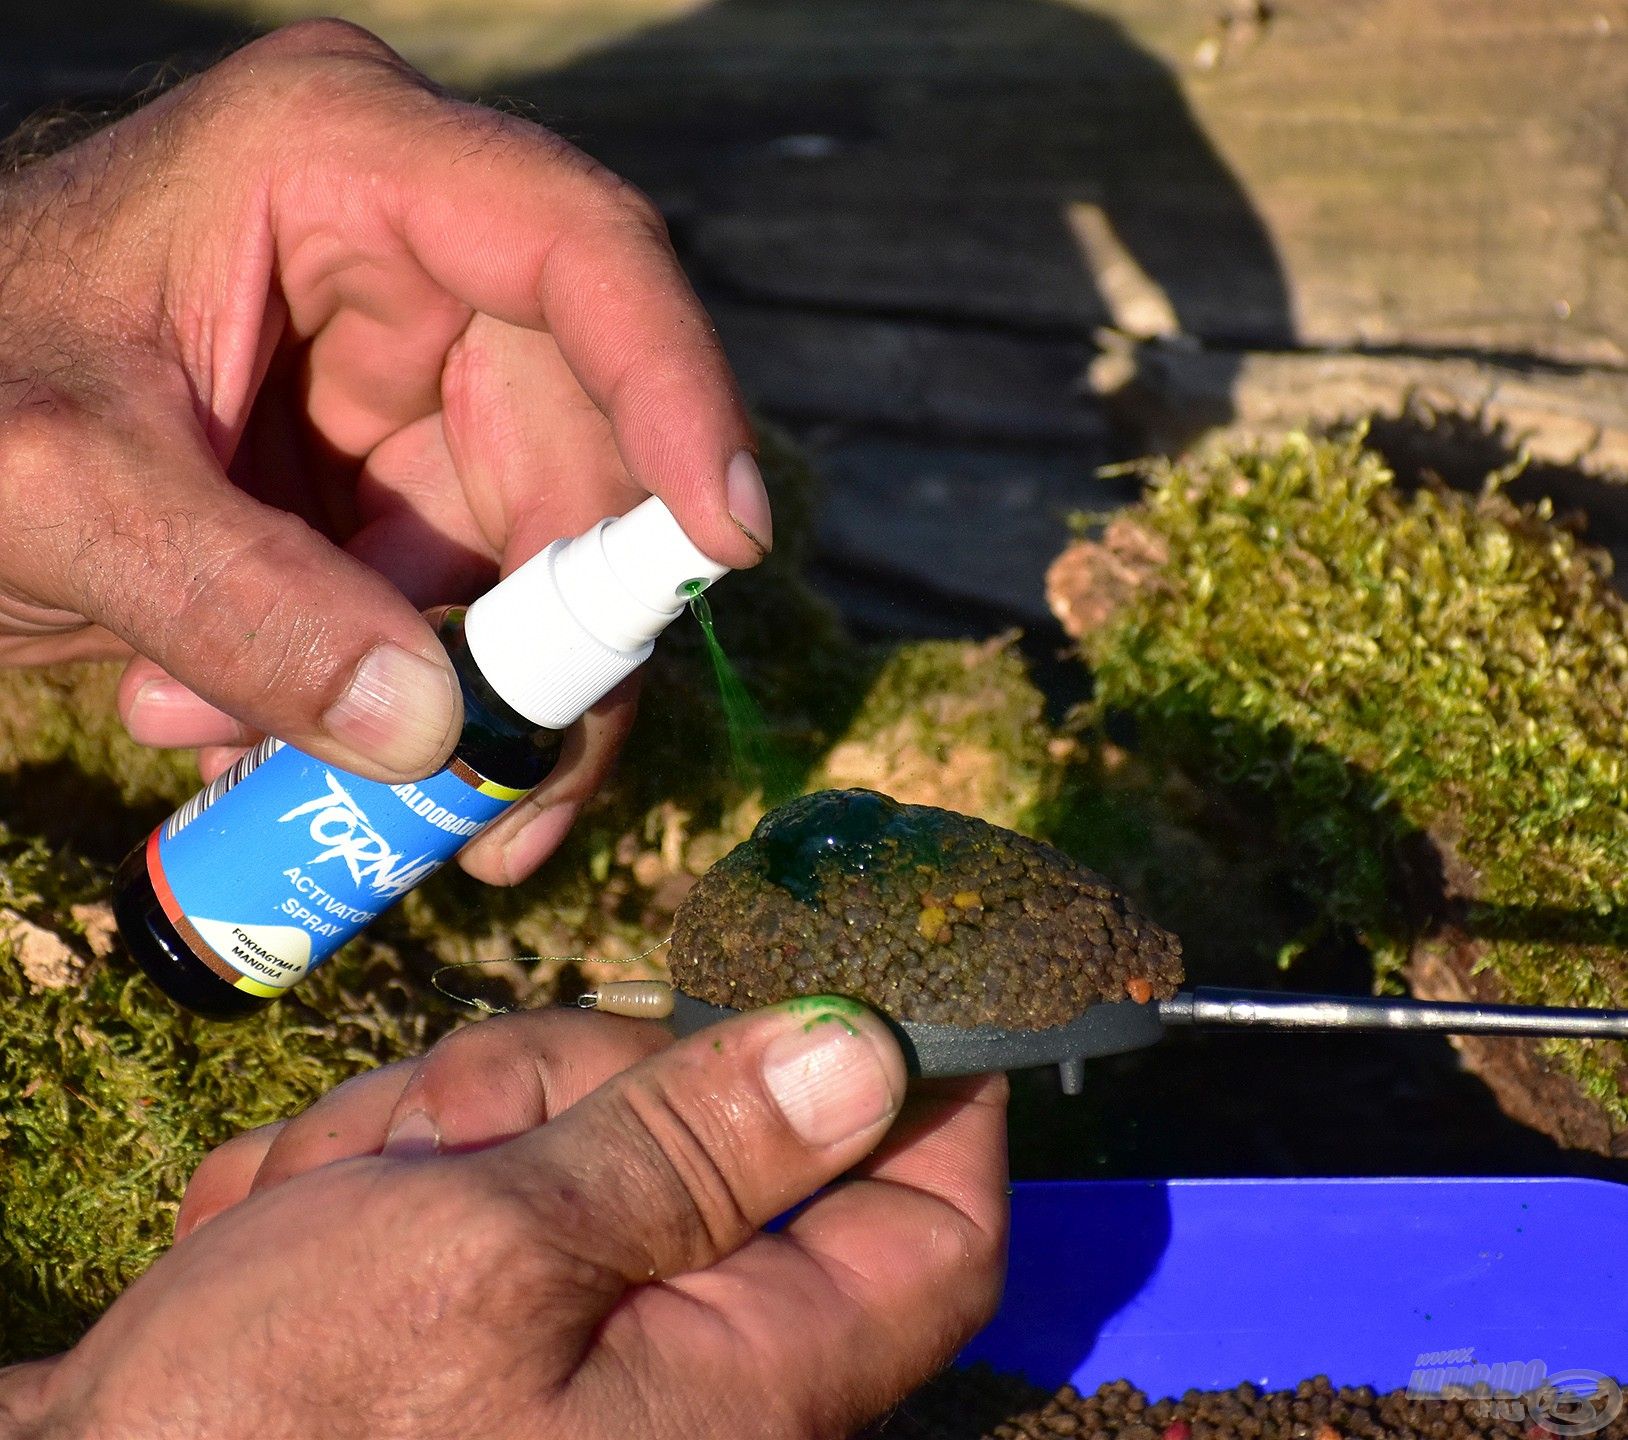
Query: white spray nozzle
[(625, 578), (582, 615)]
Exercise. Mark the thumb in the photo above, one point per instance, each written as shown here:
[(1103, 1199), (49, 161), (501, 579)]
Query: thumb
[(678, 1161), (133, 524)]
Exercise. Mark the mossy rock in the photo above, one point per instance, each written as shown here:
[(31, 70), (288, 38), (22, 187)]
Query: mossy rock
[(109, 1097), (1428, 689)]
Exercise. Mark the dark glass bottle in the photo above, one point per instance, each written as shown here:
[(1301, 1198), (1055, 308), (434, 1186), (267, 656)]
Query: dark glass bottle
[(497, 744)]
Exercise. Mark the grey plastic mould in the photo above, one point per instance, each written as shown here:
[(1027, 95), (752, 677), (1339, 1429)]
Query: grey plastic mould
[(1118, 1026)]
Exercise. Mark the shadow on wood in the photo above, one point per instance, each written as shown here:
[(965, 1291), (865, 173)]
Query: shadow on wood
[(909, 221)]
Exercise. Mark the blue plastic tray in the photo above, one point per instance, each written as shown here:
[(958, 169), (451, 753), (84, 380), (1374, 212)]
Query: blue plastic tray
[(1205, 1283)]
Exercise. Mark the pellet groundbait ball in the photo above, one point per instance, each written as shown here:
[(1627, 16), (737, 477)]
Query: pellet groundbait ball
[(926, 914)]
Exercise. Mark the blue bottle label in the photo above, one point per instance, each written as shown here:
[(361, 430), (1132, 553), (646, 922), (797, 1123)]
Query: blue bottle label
[(274, 866)]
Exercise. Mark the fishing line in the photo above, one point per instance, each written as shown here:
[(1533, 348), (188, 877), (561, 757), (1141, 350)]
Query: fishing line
[(484, 1007)]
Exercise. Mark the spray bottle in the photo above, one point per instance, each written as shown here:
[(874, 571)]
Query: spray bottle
[(263, 874)]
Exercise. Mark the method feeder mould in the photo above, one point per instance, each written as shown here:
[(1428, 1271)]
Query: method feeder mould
[(1114, 1027), (981, 948)]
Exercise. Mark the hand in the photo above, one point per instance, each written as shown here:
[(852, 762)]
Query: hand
[(421, 1255), (303, 347)]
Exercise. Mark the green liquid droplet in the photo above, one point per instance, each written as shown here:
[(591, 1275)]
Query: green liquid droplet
[(758, 760), (844, 833)]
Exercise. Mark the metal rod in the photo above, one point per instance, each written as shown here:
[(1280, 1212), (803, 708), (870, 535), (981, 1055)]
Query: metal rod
[(1274, 1010)]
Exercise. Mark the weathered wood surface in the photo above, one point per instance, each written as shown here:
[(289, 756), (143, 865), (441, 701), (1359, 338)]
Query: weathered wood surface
[(915, 220), (954, 382), (1428, 173), (1558, 417), (918, 217), (1439, 174)]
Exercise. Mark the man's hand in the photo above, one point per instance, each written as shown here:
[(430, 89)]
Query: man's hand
[(304, 347), (421, 1255)]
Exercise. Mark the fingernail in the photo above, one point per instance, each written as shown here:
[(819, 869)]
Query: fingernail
[(165, 712), (826, 1070), (749, 501), (398, 710), (413, 1137)]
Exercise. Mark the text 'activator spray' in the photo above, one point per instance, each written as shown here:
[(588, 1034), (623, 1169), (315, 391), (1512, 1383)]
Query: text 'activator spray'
[(263, 874)]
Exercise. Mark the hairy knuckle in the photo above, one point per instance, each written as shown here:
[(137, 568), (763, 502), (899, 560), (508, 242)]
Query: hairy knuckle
[(329, 73), (323, 38), (636, 209), (200, 561), (604, 189), (124, 562), (489, 134), (237, 583)]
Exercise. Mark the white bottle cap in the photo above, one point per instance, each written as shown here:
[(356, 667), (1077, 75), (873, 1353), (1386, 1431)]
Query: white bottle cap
[(582, 614)]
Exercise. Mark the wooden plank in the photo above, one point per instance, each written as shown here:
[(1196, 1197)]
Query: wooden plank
[(1428, 174), (973, 529), (920, 156), (1176, 395), (901, 375), (1437, 174)]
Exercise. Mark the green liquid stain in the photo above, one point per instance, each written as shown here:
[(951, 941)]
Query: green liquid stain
[(845, 832), (758, 760), (825, 1010)]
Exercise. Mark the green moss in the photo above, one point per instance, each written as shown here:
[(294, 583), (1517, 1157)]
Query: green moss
[(1385, 666), (68, 768), (109, 1098), (952, 724)]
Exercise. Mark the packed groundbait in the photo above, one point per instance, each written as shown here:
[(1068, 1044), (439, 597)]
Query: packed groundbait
[(1429, 693), (924, 913), (980, 1404)]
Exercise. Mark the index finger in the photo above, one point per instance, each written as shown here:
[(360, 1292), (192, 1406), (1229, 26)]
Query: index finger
[(520, 225)]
